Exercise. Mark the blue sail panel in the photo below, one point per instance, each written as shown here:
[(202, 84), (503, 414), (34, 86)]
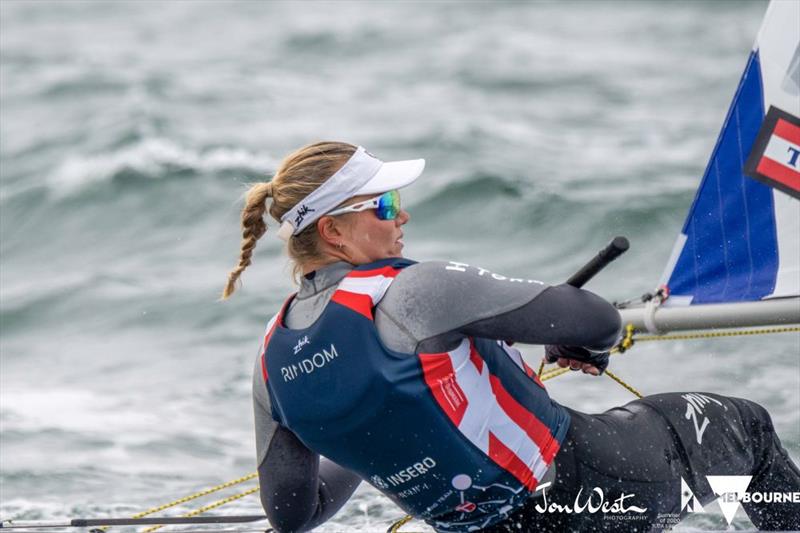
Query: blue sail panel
[(730, 252)]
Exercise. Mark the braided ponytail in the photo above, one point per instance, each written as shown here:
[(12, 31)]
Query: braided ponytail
[(253, 227), (301, 173)]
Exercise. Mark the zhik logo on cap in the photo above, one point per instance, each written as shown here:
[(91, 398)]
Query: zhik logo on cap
[(301, 214)]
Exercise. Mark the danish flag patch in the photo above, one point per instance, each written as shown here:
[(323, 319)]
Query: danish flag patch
[(775, 157)]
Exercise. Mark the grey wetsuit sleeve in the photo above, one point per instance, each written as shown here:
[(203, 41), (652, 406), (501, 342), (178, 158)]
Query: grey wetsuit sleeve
[(298, 490), (431, 306)]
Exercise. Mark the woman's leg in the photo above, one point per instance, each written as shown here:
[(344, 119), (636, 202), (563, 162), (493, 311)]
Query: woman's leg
[(733, 436), (648, 451)]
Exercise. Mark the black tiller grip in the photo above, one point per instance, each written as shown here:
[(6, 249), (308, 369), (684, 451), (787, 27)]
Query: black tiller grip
[(615, 248)]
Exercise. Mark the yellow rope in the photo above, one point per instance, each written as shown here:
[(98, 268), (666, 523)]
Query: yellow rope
[(191, 497), (553, 373), (627, 341), (619, 380), (210, 506), (714, 334), (394, 528)]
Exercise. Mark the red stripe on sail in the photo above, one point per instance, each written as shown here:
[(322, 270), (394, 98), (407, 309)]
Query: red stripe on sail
[(503, 456), (387, 271), (437, 369), (787, 130), (778, 172), (535, 429), (360, 303)]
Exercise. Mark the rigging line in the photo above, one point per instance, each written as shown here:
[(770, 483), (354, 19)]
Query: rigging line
[(395, 527), (630, 339), (621, 382), (265, 529), (191, 497), (210, 506), (91, 522), (715, 334)]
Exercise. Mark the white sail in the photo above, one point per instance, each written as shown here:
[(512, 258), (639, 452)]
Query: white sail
[(741, 238)]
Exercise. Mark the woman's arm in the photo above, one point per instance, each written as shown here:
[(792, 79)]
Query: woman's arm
[(431, 306), (298, 491), (558, 315)]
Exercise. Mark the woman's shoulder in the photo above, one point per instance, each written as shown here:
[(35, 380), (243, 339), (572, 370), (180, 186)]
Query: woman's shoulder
[(425, 273), (446, 284)]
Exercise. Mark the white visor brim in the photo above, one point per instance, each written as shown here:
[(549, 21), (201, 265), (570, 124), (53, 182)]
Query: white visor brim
[(393, 175)]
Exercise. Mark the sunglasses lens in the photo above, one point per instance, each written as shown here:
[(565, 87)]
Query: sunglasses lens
[(389, 205)]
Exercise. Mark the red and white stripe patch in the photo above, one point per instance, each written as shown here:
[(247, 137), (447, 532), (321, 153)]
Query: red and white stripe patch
[(387, 272), (781, 159), (488, 415), (362, 290), (775, 156)]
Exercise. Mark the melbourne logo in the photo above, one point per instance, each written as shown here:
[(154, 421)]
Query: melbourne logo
[(730, 492), (688, 500)]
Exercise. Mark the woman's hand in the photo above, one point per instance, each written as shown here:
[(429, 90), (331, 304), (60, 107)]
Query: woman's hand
[(577, 358)]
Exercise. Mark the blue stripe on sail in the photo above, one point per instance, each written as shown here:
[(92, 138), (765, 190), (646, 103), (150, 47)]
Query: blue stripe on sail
[(731, 250)]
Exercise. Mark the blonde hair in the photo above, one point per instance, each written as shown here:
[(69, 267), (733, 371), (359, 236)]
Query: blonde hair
[(300, 173)]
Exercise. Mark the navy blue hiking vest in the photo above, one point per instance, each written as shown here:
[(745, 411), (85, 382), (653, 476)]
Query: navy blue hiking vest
[(458, 439)]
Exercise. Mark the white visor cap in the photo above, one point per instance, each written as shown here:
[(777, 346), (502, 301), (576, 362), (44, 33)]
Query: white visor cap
[(393, 175), (362, 174)]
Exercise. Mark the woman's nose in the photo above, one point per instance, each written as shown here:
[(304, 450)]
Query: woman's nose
[(403, 217)]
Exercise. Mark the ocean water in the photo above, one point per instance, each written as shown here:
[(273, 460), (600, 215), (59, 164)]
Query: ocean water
[(129, 131)]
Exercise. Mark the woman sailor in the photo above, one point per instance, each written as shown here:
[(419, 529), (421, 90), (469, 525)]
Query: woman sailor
[(400, 374)]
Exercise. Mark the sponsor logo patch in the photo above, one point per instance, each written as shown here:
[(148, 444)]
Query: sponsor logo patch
[(309, 365), (775, 157), (407, 474)]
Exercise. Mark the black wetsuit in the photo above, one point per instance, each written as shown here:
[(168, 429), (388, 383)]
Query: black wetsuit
[(643, 450), (640, 451)]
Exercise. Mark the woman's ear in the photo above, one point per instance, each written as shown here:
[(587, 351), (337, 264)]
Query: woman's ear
[(330, 229)]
